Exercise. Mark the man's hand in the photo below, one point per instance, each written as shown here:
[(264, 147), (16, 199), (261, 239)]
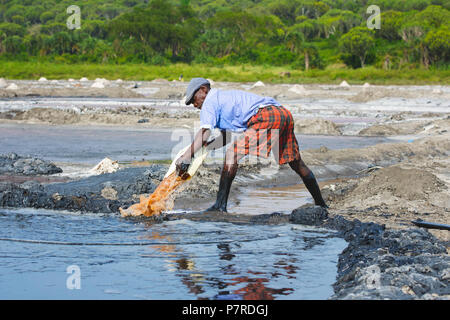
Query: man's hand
[(182, 164)]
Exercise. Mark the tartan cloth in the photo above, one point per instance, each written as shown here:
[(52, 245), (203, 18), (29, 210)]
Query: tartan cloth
[(270, 129)]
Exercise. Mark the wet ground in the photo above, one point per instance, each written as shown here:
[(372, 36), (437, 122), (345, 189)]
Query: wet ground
[(206, 258), (123, 259), (263, 200)]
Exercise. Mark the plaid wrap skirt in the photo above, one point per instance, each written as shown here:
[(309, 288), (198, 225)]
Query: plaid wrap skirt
[(270, 129)]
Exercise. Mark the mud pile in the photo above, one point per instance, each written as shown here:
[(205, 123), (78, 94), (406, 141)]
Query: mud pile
[(380, 154), (418, 126), (72, 90), (396, 195), (391, 264), (376, 93), (394, 184), (98, 194), (317, 126), (381, 263), (164, 89), (106, 193), (29, 166)]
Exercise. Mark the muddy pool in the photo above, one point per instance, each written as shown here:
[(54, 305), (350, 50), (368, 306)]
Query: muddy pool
[(118, 258)]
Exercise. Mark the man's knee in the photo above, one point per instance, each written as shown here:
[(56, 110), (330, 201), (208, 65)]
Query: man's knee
[(300, 168)]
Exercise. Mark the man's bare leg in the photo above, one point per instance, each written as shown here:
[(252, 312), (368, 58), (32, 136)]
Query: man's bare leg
[(229, 171), (309, 180)]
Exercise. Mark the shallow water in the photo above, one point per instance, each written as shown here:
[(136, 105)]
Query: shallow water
[(91, 144), (256, 201), (128, 259)]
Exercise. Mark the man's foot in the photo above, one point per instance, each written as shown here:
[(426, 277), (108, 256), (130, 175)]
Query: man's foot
[(323, 205), (216, 208)]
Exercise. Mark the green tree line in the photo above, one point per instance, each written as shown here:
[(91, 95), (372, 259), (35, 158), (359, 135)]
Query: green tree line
[(304, 34)]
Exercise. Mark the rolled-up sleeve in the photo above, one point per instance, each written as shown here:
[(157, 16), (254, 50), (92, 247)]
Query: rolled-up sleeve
[(207, 121), (208, 114)]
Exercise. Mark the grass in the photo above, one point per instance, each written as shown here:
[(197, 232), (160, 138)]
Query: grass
[(235, 73)]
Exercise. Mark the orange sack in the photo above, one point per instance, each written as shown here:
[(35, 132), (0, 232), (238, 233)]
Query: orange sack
[(158, 200)]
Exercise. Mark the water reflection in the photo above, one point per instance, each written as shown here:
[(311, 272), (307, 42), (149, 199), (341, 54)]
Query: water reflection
[(255, 289), (251, 288), (253, 285), (172, 260), (169, 249), (193, 279), (225, 251)]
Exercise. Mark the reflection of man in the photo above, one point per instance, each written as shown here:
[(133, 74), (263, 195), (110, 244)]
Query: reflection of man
[(262, 120)]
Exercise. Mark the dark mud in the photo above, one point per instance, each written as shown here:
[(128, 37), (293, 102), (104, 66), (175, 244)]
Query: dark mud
[(12, 163), (103, 193), (106, 193), (266, 219), (306, 215), (381, 263), (391, 264)]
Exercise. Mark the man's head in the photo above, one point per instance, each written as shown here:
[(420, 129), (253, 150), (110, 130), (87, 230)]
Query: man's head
[(197, 91)]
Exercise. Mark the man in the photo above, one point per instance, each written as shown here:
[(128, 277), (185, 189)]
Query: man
[(266, 125)]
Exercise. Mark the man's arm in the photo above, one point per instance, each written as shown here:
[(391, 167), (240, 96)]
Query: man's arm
[(221, 141), (200, 140)]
